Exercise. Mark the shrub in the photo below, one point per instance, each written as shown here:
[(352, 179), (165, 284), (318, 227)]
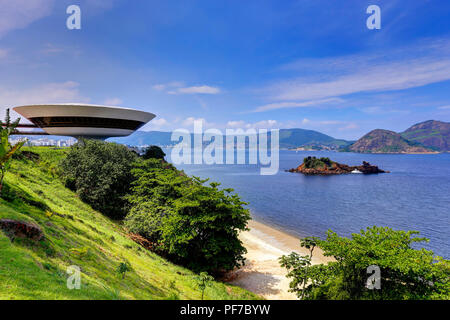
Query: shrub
[(406, 273), (193, 224), (100, 172), (203, 281), (313, 162), (123, 268), (153, 152)]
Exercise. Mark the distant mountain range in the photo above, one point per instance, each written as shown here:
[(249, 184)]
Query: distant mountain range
[(425, 137), (289, 139), (142, 138), (309, 139)]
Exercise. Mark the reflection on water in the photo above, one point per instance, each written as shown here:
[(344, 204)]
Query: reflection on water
[(414, 196)]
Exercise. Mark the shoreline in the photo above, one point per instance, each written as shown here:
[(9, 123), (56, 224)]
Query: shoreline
[(262, 273)]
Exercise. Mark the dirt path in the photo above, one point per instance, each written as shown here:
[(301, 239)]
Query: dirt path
[(262, 273)]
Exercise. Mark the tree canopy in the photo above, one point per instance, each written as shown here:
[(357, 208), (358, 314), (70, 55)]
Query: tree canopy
[(405, 272), (194, 224), (100, 172), (153, 152)]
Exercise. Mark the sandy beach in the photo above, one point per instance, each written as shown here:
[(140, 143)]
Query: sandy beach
[(262, 273)]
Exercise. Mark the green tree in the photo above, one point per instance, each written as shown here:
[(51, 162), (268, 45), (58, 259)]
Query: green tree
[(203, 281), (298, 266), (194, 224), (100, 172), (6, 149), (123, 268), (406, 273), (157, 184), (153, 152), (313, 162)]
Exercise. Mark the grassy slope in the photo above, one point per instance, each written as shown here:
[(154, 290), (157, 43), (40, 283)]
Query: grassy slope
[(31, 270)]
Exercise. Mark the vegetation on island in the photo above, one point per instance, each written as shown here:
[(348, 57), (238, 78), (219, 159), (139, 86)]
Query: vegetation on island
[(405, 273), (316, 163), (325, 166)]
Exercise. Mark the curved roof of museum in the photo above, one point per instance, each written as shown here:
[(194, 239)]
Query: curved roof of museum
[(85, 120)]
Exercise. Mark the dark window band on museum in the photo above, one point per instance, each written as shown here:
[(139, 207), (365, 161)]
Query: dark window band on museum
[(92, 122)]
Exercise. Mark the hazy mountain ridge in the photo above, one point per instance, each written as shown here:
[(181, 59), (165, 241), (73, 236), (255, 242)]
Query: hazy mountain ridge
[(294, 138), (289, 138), (141, 138), (424, 137)]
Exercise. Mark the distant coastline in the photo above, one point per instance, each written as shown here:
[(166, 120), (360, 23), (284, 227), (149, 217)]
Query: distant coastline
[(325, 150), (428, 137)]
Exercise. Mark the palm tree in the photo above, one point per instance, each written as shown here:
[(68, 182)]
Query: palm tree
[(6, 149)]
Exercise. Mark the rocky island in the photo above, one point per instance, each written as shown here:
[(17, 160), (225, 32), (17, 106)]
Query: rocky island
[(325, 166)]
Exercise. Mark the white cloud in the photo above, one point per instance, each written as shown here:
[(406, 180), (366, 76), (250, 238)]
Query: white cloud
[(159, 87), (382, 111), (263, 124), (372, 110), (160, 122), (113, 102), (18, 14), (196, 90), (156, 124), (314, 124), (50, 48), (349, 127), (164, 86), (189, 122), (320, 125), (177, 87), (236, 124), (290, 104), (404, 68), (47, 93), (3, 53), (100, 5), (444, 107)]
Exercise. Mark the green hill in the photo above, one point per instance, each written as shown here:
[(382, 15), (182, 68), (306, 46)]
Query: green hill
[(140, 138), (385, 141), (293, 138), (431, 133), (289, 138), (75, 234)]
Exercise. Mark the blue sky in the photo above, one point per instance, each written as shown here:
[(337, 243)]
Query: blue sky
[(234, 64)]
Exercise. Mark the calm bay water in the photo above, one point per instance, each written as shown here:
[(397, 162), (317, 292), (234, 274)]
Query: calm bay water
[(414, 196)]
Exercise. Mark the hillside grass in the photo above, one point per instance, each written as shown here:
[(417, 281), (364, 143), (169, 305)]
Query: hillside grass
[(75, 234)]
